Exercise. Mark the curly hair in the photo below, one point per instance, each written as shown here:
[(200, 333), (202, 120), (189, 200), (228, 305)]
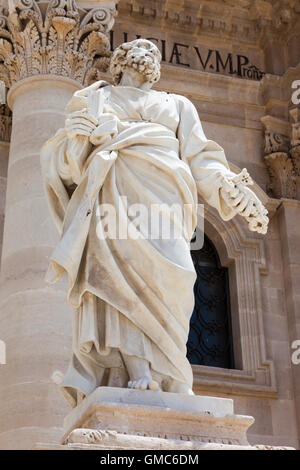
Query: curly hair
[(140, 54)]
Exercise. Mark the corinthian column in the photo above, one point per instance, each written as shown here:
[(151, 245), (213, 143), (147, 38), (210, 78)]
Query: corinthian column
[(47, 50)]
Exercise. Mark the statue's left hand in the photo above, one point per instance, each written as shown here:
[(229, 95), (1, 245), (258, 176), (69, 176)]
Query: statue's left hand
[(244, 202)]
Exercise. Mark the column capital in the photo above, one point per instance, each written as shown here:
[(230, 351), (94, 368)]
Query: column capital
[(55, 37), (278, 160), (282, 175)]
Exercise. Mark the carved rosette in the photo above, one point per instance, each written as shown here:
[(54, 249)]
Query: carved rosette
[(54, 37)]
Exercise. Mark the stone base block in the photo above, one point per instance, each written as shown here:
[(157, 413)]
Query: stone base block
[(117, 418), (159, 415), (170, 417)]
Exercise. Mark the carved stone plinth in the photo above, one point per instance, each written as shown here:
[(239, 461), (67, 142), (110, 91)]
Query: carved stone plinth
[(115, 418)]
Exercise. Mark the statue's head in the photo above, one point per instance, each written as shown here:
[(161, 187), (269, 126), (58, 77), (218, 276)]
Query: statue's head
[(141, 55)]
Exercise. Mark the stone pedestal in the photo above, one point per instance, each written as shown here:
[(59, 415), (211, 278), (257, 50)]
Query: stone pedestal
[(124, 419)]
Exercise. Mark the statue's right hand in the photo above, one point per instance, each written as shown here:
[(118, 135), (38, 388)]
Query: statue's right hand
[(80, 123)]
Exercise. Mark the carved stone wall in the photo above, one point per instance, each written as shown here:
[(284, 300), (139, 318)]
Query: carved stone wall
[(257, 23), (252, 17)]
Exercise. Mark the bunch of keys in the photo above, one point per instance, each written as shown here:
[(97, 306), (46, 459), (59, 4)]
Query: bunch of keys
[(255, 213)]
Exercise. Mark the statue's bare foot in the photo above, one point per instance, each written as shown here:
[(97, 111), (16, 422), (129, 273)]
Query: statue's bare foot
[(139, 373), (179, 387), (144, 383)]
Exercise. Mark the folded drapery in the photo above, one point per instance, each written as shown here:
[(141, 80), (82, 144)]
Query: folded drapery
[(150, 149)]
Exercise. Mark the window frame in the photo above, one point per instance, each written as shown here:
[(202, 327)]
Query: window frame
[(242, 252)]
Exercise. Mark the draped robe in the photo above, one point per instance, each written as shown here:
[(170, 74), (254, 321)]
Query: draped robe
[(130, 296)]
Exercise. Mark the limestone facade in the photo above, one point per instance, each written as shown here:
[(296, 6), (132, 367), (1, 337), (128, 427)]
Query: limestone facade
[(238, 61)]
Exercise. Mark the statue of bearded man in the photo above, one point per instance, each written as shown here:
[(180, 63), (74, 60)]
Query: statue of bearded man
[(133, 296)]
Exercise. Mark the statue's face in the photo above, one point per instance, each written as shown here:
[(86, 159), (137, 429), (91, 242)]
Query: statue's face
[(140, 55), (131, 77)]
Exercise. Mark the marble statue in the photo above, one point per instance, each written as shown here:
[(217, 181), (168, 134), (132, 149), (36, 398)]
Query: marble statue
[(133, 296)]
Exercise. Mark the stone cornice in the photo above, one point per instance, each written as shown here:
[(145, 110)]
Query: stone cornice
[(54, 37), (247, 21), (276, 90)]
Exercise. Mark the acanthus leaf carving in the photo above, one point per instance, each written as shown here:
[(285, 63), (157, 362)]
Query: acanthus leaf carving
[(57, 38), (282, 175), (278, 159)]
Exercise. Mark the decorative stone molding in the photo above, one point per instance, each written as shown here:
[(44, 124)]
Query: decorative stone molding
[(55, 37), (248, 21), (279, 163), (282, 175), (276, 134), (275, 142), (113, 415), (243, 253), (282, 138)]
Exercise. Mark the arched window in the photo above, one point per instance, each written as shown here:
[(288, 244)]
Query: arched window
[(210, 337)]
